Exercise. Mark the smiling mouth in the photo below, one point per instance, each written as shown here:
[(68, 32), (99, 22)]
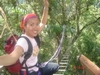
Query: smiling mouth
[(35, 32)]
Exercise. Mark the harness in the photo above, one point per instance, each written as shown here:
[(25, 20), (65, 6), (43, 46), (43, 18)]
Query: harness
[(29, 52)]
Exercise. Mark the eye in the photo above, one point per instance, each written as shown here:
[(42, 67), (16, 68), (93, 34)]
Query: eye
[(31, 24)]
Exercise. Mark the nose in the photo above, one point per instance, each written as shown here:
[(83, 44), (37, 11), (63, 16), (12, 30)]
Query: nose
[(35, 27)]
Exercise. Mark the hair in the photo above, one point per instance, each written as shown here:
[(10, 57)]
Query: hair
[(26, 18)]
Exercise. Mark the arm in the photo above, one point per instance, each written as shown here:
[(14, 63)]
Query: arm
[(44, 15), (10, 59)]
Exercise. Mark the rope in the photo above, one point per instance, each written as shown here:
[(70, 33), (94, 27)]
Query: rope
[(2, 31), (56, 53), (6, 24), (59, 47)]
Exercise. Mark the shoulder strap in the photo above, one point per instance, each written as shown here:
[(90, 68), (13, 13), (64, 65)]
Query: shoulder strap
[(37, 40), (29, 51), (30, 48)]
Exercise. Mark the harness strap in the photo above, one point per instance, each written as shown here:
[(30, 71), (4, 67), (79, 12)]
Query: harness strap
[(29, 51), (23, 73), (37, 65)]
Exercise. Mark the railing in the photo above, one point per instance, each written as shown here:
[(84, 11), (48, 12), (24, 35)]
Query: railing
[(89, 67)]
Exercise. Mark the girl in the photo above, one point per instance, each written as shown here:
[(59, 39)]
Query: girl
[(31, 27)]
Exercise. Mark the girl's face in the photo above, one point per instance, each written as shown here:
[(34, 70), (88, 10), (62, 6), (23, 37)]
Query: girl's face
[(32, 27)]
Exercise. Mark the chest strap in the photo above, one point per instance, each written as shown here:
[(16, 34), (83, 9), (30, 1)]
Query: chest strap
[(36, 65)]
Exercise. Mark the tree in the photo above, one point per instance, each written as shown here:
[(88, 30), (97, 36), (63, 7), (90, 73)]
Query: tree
[(81, 18)]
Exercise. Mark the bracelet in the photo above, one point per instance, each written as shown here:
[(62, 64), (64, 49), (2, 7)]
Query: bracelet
[(45, 8)]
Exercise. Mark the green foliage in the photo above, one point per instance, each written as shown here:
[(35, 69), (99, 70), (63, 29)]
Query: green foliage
[(76, 15), (90, 2)]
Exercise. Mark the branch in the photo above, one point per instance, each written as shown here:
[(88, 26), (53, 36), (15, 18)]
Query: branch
[(76, 36), (89, 24), (73, 40)]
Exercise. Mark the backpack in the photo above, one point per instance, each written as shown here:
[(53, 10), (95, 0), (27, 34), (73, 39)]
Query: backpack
[(9, 47)]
